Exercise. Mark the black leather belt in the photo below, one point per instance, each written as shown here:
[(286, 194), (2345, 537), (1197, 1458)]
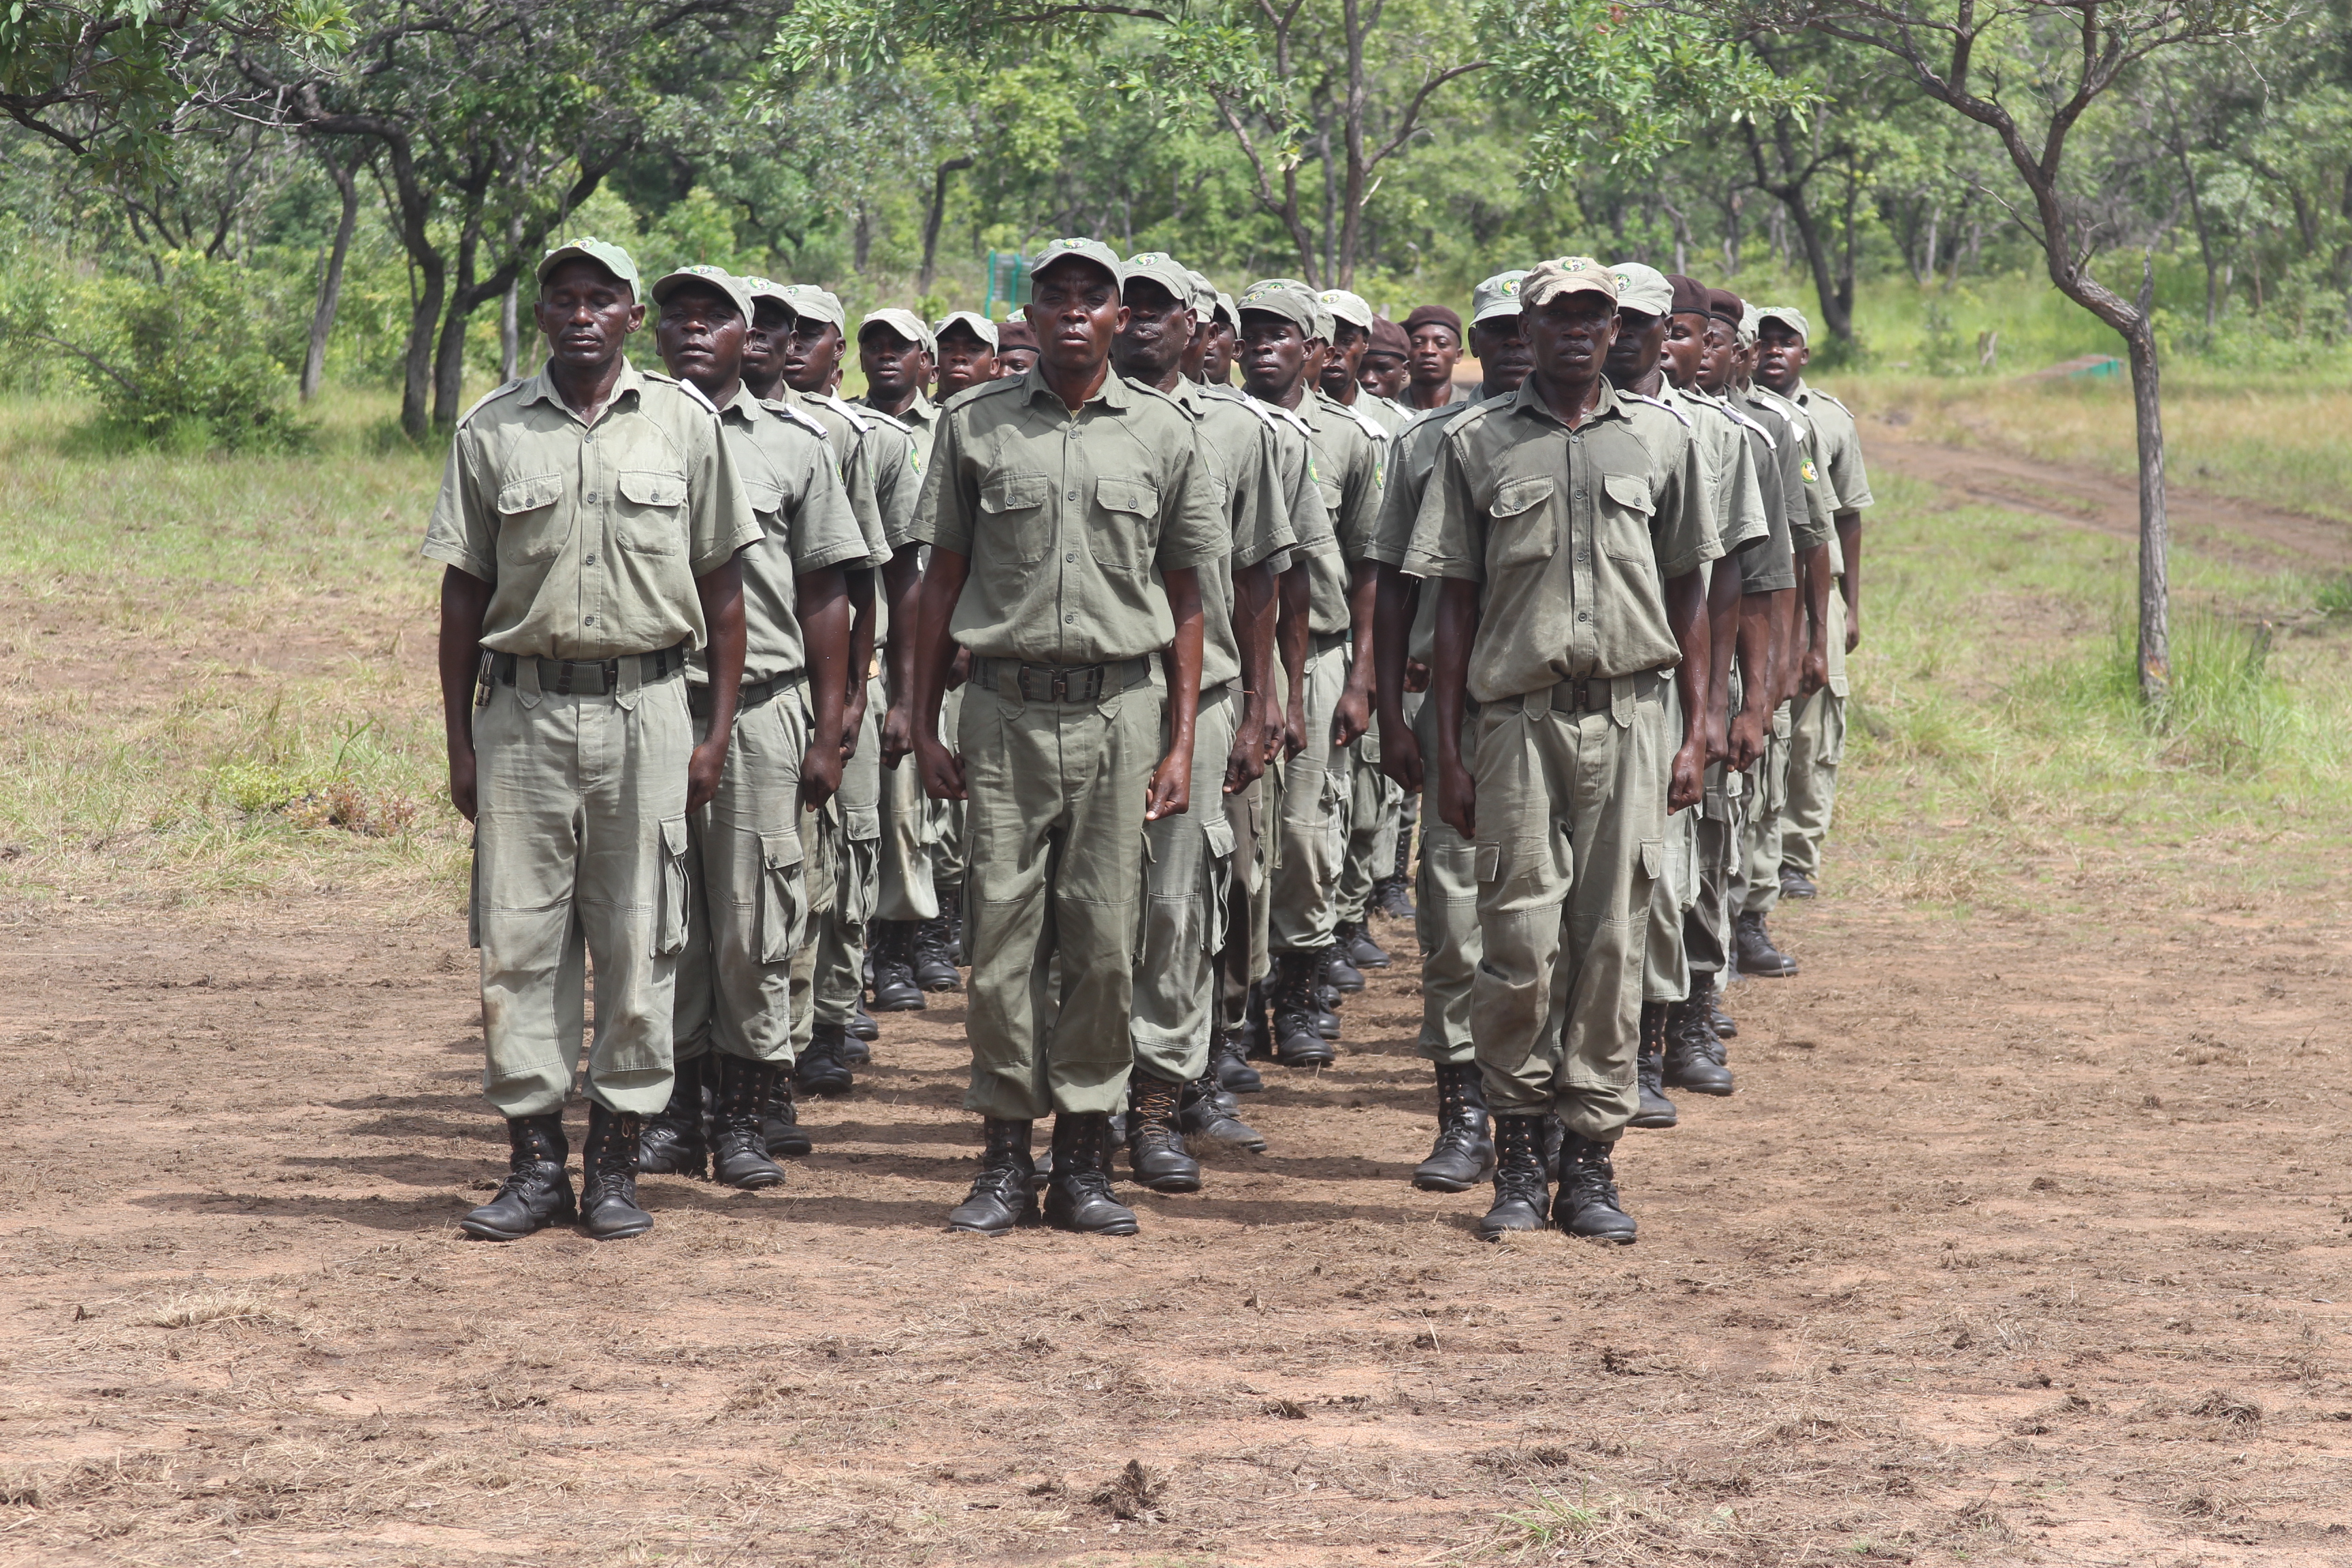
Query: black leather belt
[(1060, 682), (591, 677), (747, 695)]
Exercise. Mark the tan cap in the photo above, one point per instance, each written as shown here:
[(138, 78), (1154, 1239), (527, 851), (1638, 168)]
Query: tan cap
[(1282, 297), (1161, 269), (1204, 297), (1787, 316), (821, 304), (1229, 310), (1093, 251), (1497, 296), (1351, 309), (1567, 275), (718, 277), (756, 288), (604, 253), (971, 321), (1644, 289), (905, 323)]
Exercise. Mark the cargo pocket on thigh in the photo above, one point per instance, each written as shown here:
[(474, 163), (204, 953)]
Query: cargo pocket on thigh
[(1490, 863), (784, 897), (670, 918), (474, 894), (1654, 858), (1216, 879)]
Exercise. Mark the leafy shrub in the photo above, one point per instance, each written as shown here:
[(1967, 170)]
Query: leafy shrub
[(183, 360)]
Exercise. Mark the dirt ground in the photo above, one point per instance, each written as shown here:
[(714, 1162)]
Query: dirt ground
[(2025, 1239)]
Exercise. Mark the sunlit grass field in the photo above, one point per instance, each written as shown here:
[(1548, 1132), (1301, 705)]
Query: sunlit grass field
[(220, 684)]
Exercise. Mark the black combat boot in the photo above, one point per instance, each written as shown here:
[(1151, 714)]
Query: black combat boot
[(608, 1175), (895, 990), (1795, 884), (675, 1143), (1079, 1197), (1257, 1024), (1588, 1205), (1335, 971), (780, 1121), (821, 1070), (1393, 894), (1464, 1152), (935, 948), (1521, 1195), (1650, 1069), (1327, 1012), (738, 1149), (537, 1192), (1357, 946), (1298, 1041), (1211, 1111), (1003, 1195), (861, 1026), (1229, 1062), (1757, 954), (1155, 1143), (1694, 1056)]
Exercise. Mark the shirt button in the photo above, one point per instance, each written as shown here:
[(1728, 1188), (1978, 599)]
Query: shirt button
[(1580, 495), (1073, 555), (592, 498), (1074, 495), (1585, 614), (1069, 620), (588, 560)]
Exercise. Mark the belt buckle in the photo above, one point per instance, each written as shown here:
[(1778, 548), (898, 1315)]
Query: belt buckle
[(1059, 690), (1021, 681), (1581, 693), (610, 669)]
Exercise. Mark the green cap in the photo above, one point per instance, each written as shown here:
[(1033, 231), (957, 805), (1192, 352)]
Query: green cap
[(1644, 289), (1093, 251), (1283, 297), (1567, 275), (609, 257), (808, 299), (1204, 297), (1751, 319), (757, 288), (971, 321), (1229, 310), (1787, 316), (726, 282), (1353, 309), (1497, 296), (1161, 269), (905, 323)]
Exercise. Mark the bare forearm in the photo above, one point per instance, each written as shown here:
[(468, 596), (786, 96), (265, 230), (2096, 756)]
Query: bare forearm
[(902, 586), (829, 631), (1849, 532), (465, 601)]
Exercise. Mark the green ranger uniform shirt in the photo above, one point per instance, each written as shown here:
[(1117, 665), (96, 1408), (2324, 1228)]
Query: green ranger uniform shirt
[(1412, 457), (1734, 490), (1348, 452), (920, 422), (1570, 534), (1817, 525), (1771, 565), (591, 536), (1068, 520), (853, 461), (1246, 475), (788, 473), (1384, 413), (891, 453), (1848, 480), (1294, 446)]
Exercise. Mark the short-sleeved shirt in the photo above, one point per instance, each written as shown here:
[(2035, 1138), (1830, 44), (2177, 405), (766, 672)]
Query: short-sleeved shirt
[(1768, 564), (1817, 526), (891, 454), (591, 536), (920, 422), (789, 476), (1294, 447), (1069, 520), (1384, 413), (1735, 490), (852, 461), (1571, 536), (1245, 473), (1348, 459), (1411, 457), (1849, 480)]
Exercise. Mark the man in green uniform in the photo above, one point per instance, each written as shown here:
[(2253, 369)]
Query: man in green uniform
[(1068, 514), (1405, 623), (750, 850), (1386, 370), (1570, 524), (1817, 729), (1016, 349), (830, 1048), (1329, 703), (1435, 333), (899, 356), (1225, 343), (967, 347), (589, 522), (1189, 857)]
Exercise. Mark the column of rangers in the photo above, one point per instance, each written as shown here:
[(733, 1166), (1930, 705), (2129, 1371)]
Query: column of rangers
[(1061, 660)]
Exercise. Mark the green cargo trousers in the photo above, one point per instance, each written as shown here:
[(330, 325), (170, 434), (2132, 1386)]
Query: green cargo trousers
[(580, 855), (1188, 873), (854, 827), (1666, 962), (1816, 747), (1311, 817), (1572, 819), (1445, 905), (1706, 924), (1373, 799), (1241, 963), (946, 815), (747, 891), (1054, 820), (1761, 835)]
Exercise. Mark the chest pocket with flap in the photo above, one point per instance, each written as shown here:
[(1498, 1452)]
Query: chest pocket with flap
[(531, 525), (1121, 533), (652, 511), (1624, 517), (1014, 520), (1524, 531)]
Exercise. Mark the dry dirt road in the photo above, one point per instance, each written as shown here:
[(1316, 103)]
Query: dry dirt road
[(2020, 1241)]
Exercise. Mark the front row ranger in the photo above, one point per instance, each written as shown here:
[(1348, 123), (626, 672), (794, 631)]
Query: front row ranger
[(1568, 525), (589, 523)]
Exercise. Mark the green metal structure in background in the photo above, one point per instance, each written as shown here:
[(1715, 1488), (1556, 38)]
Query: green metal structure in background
[(1008, 282)]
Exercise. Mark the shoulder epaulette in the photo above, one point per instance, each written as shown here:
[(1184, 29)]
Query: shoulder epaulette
[(1817, 391), (491, 396), (1786, 408), (1289, 416), (1372, 427), (694, 392), (878, 418), (1752, 424), (857, 416), (957, 400), (1226, 395), (798, 415), (1147, 386), (1680, 417)]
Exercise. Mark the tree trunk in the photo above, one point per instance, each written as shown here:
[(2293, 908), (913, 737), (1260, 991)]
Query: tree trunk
[(2155, 589), (416, 372), (331, 283), (509, 330), (932, 220)]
